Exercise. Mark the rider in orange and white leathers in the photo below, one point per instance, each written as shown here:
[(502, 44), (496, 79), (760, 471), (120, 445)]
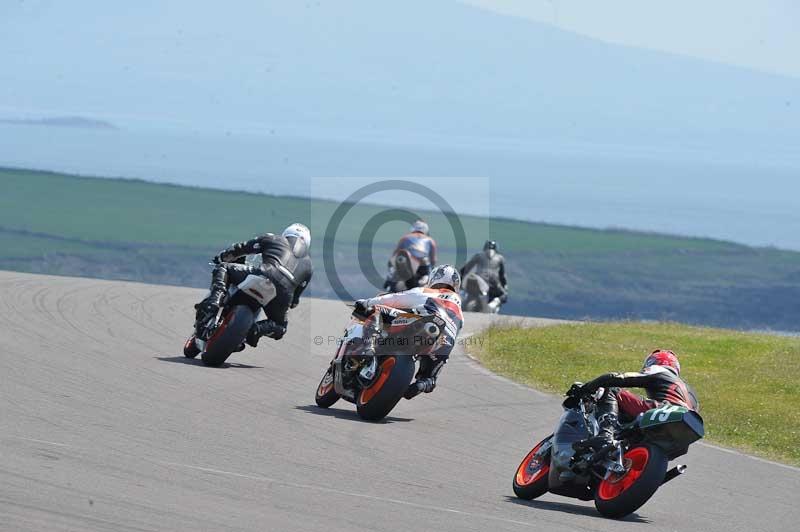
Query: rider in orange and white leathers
[(438, 299)]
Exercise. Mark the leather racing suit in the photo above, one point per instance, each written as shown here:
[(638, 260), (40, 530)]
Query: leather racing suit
[(441, 303), (285, 262)]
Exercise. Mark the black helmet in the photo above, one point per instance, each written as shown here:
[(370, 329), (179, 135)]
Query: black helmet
[(490, 244)]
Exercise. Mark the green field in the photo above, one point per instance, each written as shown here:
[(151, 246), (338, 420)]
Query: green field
[(125, 229), (748, 384)]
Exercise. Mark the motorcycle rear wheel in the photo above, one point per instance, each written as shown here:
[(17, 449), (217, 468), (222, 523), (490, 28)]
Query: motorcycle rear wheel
[(622, 495), (375, 402), (228, 336)]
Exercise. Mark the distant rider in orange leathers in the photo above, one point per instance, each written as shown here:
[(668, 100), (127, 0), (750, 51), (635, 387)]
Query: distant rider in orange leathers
[(419, 244)]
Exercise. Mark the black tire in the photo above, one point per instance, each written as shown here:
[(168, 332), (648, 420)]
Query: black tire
[(326, 396), (537, 486), (650, 477), (228, 336), (397, 371)]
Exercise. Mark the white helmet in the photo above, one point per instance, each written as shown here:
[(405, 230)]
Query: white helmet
[(420, 227), (299, 231), (446, 275)]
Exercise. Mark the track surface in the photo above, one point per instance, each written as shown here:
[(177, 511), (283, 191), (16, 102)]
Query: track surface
[(104, 426)]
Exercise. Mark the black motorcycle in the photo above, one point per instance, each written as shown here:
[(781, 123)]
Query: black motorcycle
[(225, 333), (620, 476), (475, 295)]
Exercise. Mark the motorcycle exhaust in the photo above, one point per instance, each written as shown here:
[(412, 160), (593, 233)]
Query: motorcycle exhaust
[(432, 330), (674, 473)]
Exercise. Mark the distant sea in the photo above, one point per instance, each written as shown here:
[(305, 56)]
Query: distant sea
[(743, 199)]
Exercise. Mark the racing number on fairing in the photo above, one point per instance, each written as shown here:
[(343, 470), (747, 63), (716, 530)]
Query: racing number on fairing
[(663, 412)]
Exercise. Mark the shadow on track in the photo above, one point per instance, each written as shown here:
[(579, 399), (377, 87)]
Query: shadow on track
[(197, 362), (350, 415), (573, 509)]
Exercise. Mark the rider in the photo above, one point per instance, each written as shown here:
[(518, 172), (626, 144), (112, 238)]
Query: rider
[(660, 378), (419, 243), (491, 266), (439, 298), (285, 262)]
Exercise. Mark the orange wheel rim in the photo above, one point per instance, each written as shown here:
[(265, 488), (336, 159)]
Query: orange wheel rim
[(367, 394), (532, 468), (635, 461)]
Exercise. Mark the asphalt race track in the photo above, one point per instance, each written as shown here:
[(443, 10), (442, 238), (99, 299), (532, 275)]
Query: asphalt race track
[(105, 426)]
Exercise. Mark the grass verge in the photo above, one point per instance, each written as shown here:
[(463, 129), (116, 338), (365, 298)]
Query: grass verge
[(747, 383), (134, 230)]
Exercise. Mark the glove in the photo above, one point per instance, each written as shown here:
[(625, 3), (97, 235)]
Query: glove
[(576, 390), (223, 256)]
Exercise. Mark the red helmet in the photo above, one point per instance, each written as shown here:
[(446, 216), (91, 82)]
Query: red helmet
[(660, 357)]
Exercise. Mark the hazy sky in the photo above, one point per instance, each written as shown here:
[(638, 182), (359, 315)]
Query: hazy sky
[(761, 34)]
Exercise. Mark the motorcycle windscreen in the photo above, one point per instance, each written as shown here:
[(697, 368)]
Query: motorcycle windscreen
[(571, 428)]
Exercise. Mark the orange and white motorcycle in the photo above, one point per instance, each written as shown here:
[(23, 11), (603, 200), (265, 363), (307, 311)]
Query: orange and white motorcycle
[(376, 360)]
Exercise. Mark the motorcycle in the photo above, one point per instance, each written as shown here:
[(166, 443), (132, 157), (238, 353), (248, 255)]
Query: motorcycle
[(224, 334), (403, 267), (376, 359), (475, 295), (620, 477)]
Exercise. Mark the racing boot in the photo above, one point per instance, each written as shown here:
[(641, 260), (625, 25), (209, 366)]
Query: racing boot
[(420, 386), (608, 425), (265, 328), (209, 307), (205, 310)]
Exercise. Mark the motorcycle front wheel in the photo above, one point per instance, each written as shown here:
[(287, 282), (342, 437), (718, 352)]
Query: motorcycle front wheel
[(326, 396), (530, 480)]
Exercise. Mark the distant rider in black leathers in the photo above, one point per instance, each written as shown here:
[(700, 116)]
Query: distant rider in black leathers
[(286, 263), (491, 267)]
